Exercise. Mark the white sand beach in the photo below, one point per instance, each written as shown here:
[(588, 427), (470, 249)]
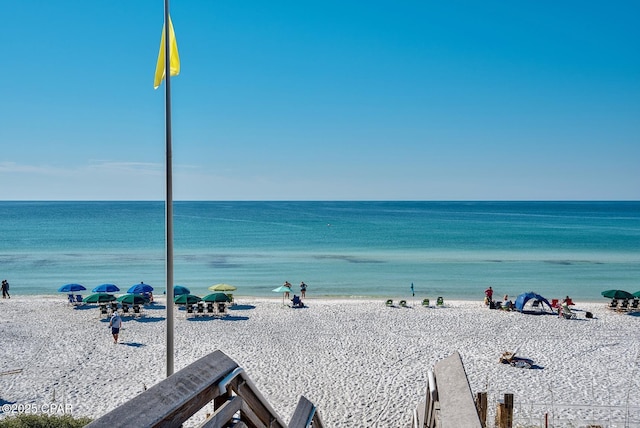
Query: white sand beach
[(361, 363)]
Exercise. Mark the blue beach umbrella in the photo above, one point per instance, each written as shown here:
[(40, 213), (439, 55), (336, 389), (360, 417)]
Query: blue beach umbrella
[(106, 288), (179, 290), (69, 288), (140, 289)]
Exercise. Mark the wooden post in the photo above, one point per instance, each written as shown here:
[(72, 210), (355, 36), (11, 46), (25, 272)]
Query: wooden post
[(481, 405), (504, 415), (508, 406)]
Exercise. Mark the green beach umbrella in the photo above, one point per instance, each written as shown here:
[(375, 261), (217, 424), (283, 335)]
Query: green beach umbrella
[(100, 298), (186, 299), (636, 294), (216, 297), (132, 299), (617, 294)]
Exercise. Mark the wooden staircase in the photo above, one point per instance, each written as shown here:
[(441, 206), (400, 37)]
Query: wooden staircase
[(213, 378)]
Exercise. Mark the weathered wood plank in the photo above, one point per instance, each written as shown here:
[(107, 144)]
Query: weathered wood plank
[(175, 399), (223, 414), (457, 406), (303, 414)]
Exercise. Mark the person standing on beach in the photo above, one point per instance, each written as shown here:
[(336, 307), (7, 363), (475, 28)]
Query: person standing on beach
[(288, 285), (115, 323), (5, 289), (303, 290)]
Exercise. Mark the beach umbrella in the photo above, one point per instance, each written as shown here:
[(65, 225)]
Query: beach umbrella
[(617, 294), (186, 299), (282, 289), (69, 288), (216, 297), (100, 298), (140, 289), (106, 288), (132, 299), (636, 294), (179, 290), (222, 287)]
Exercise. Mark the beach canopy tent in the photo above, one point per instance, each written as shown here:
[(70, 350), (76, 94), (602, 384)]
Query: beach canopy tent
[(140, 289), (617, 294), (524, 298), (68, 288)]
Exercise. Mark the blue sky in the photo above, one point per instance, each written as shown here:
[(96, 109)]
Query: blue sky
[(322, 100)]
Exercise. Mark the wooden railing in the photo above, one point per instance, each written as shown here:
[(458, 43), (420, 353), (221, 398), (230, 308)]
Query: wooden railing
[(213, 378)]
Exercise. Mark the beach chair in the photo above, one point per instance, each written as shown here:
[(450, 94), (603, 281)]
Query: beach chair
[(222, 309), (103, 310), (79, 299), (189, 310), (569, 302), (634, 305), (209, 308), (389, 303), (137, 311), (555, 304), (200, 309), (231, 301), (440, 301), (566, 312), (125, 308), (72, 299), (403, 303), (114, 307), (613, 304), (425, 303), (624, 306)]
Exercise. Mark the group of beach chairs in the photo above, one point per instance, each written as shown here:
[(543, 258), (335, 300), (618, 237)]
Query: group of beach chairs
[(624, 305), (75, 299), (132, 310), (425, 303), (205, 309)]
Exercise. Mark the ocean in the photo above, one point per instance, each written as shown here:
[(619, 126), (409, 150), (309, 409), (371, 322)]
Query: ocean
[(339, 249)]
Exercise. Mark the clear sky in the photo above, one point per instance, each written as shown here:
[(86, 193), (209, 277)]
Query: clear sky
[(322, 100)]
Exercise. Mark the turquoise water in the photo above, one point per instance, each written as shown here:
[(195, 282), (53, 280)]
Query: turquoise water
[(345, 249)]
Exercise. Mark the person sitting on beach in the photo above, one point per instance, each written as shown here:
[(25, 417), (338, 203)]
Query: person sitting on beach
[(506, 303), (488, 293), (297, 303)]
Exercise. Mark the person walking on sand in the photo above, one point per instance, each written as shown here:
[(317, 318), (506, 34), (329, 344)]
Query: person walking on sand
[(115, 323), (303, 290), (5, 289)]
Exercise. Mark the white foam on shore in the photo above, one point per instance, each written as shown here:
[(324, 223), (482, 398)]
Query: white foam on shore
[(361, 363)]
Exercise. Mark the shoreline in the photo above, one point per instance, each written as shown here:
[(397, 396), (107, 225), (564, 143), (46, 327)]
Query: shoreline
[(359, 362)]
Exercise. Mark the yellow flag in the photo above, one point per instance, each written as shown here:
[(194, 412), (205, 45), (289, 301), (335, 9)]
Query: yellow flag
[(174, 58)]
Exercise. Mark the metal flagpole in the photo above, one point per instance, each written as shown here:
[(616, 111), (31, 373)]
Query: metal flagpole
[(169, 190)]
